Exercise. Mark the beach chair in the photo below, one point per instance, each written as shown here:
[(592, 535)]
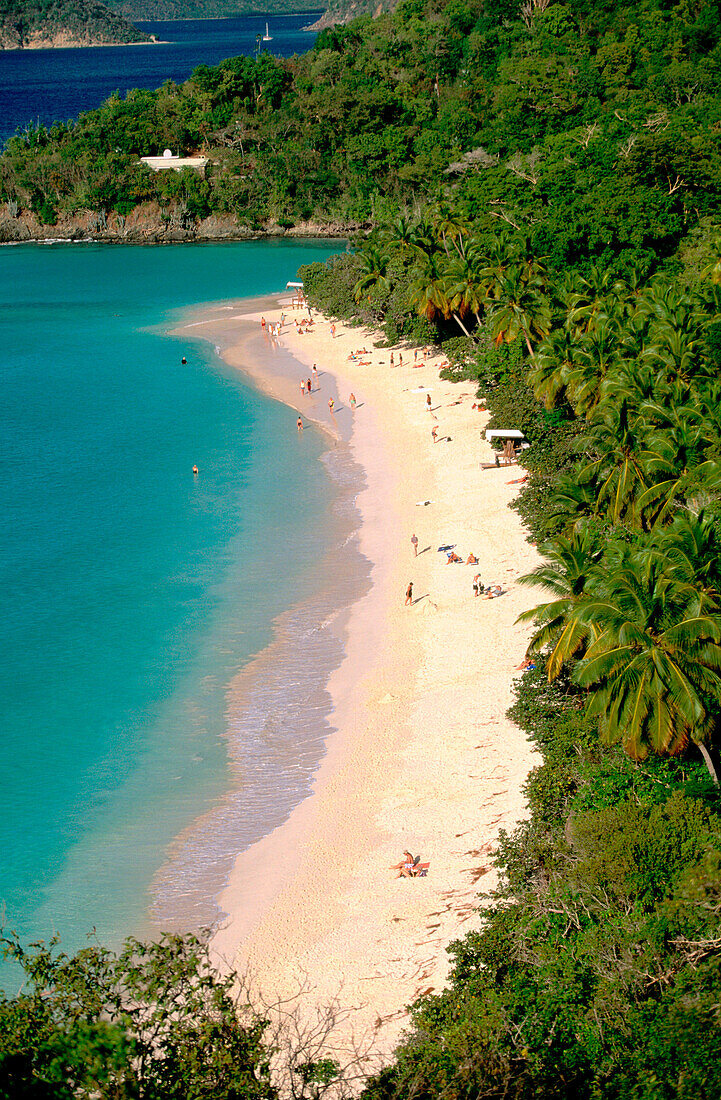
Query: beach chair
[(509, 455)]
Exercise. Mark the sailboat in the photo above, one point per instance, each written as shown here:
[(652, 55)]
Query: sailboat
[(267, 37)]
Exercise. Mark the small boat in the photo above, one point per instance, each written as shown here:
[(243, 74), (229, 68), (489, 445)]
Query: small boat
[(267, 37)]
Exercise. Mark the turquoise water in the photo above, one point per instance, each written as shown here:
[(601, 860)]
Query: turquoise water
[(133, 592)]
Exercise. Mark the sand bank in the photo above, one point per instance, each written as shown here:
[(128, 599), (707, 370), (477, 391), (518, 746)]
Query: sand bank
[(422, 755)]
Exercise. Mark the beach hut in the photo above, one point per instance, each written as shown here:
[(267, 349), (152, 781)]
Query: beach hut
[(514, 441)]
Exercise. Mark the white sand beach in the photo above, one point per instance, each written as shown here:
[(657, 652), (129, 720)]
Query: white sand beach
[(422, 755)]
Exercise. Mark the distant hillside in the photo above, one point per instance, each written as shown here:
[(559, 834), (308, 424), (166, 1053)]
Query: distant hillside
[(343, 11), (207, 9), (38, 24)]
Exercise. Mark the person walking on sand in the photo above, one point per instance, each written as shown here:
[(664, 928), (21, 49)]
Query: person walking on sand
[(315, 374), (332, 332), (300, 424), (308, 385), (392, 363), (434, 432), (428, 402), (262, 322), (409, 593), (352, 401), (302, 386), (414, 544), (331, 405)]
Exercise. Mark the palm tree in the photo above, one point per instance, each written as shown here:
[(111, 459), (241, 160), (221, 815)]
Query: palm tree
[(572, 501), (551, 365), (569, 573), (596, 353), (653, 665), (373, 275), (449, 226), (691, 546), (426, 291), (520, 310), (617, 459), (594, 296), (677, 473), (464, 289)]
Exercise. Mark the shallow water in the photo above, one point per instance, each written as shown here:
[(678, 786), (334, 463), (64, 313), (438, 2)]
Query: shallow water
[(135, 593)]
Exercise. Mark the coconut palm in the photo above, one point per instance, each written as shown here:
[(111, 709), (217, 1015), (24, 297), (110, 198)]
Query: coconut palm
[(572, 501), (552, 362), (520, 309), (426, 292), (450, 227), (692, 548), (676, 470), (596, 353), (464, 289), (373, 263), (594, 296), (616, 459), (653, 664), (569, 573)]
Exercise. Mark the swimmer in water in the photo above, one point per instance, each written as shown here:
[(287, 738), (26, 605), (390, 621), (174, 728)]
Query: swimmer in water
[(195, 469), (300, 424)]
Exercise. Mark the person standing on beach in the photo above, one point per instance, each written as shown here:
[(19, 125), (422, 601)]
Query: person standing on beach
[(262, 322), (331, 405), (414, 544), (434, 432), (332, 332), (300, 424), (315, 374), (307, 385), (352, 401), (302, 386), (409, 593), (428, 403)]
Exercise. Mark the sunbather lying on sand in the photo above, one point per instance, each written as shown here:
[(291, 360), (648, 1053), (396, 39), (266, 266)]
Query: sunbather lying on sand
[(493, 590), (527, 662)]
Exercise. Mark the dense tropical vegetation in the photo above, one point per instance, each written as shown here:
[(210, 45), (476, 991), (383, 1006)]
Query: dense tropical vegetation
[(540, 196), (63, 22)]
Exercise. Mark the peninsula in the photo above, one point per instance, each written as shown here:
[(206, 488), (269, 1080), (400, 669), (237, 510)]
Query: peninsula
[(31, 25)]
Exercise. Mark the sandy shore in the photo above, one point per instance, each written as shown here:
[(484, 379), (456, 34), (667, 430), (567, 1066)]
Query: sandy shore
[(422, 755)]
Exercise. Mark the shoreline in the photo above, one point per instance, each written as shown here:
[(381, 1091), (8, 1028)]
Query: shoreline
[(271, 769), (421, 754)]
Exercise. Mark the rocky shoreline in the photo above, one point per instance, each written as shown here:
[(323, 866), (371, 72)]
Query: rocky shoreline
[(148, 224)]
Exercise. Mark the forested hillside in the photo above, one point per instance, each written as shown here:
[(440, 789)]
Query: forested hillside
[(31, 24), (540, 195), (205, 9), (598, 133)]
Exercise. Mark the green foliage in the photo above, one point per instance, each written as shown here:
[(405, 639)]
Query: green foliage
[(154, 1021), (23, 22), (596, 133)]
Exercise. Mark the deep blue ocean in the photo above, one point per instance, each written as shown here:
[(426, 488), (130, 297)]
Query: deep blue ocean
[(133, 591), (55, 85)]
